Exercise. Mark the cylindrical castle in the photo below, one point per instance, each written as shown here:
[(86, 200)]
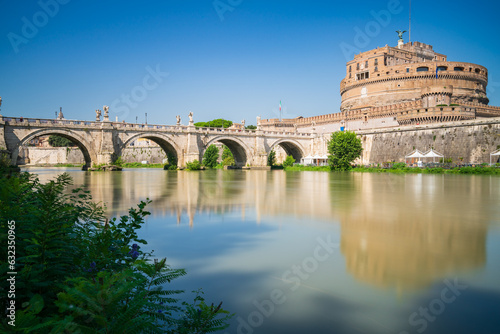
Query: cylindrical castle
[(409, 73)]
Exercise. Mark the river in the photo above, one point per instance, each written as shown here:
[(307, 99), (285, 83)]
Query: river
[(318, 252)]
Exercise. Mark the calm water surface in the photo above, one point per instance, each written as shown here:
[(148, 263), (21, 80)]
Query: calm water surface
[(314, 252)]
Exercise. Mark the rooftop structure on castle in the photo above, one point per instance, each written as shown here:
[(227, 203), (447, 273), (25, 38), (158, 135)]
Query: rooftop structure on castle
[(403, 85)]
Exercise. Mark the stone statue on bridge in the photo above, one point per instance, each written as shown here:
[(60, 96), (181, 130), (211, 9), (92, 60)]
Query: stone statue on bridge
[(190, 118), (178, 117), (97, 115), (106, 113), (243, 123)]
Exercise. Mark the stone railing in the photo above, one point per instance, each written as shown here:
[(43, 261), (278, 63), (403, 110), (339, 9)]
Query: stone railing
[(21, 121)]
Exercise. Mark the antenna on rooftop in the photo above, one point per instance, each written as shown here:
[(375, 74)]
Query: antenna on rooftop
[(409, 29)]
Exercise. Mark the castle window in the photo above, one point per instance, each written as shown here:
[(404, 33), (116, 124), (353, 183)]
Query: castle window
[(376, 68), (442, 68), (477, 70), (422, 69), (376, 61), (366, 63), (350, 68), (357, 66), (407, 70), (458, 69), (349, 75)]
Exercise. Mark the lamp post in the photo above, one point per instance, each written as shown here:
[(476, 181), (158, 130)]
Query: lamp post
[(146, 118)]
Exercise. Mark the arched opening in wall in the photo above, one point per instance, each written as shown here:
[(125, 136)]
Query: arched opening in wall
[(237, 150), (285, 148), (422, 69), (149, 150), (442, 68), (52, 149), (477, 70), (458, 68)]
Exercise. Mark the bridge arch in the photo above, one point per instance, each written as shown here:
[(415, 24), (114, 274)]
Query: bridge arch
[(165, 142), (88, 153), (238, 148), (291, 147)]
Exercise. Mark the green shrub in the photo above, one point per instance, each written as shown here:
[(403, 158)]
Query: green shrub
[(194, 165), (289, 161), (399, 165), (118, 161)]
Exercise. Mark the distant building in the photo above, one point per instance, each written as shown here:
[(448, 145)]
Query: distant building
[(405, 85)]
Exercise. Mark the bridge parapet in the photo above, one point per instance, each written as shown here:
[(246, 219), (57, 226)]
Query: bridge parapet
[(101, 141)]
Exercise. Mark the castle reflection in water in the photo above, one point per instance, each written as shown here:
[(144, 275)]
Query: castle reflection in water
[(397, 231)]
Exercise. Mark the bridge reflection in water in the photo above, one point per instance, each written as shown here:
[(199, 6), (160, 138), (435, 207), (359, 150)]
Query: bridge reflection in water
[(397, 231)]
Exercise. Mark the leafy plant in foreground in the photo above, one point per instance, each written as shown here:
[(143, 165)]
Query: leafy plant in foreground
[(78, 272)]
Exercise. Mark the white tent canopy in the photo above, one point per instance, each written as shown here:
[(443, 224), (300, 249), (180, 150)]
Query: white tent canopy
[(497, 152), (433, 154), (415, 154), (314, 160)]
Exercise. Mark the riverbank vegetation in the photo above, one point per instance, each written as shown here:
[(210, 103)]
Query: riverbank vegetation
[(79, 272), (401, 168)]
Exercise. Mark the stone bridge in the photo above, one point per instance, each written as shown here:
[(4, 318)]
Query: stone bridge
[(102, 141)]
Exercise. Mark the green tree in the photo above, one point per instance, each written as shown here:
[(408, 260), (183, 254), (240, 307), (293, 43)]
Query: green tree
[(216, 123), (211, 156), (229, 161), (251, 127), (289, 161), (172, 162), (271, 158), (343, 149), (226, 153), (58, 141)]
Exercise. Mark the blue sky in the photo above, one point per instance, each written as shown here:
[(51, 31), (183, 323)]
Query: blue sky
[(232, 59)]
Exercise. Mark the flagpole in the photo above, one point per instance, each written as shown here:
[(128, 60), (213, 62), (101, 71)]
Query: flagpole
[(409, 35)]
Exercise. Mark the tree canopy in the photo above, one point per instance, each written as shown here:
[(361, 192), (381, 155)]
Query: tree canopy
[(216, 123), (271, 158), (211, 156), (58, 141), (343, 149)]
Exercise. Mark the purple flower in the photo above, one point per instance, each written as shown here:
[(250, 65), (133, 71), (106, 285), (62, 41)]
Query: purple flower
[(92, 267), (134, 254), (135, 246)]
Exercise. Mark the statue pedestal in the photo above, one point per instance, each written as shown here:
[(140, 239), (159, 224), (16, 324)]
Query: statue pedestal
[(400, 43)]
